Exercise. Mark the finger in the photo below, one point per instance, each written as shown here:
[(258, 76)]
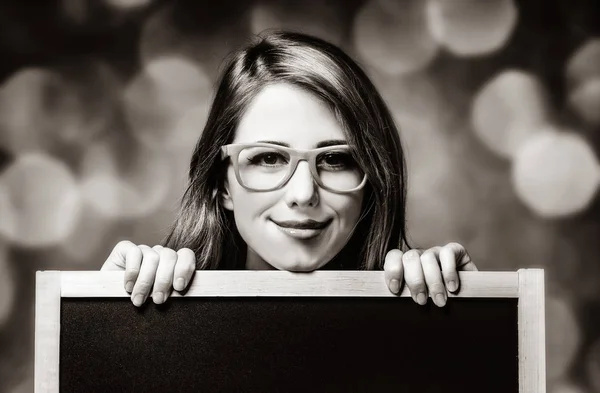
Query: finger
[(448, 256), (164, 274), (394, 271), (184, 269), (414, 276), (109, 266), (463, 259), (145, 280), (468, 266), (433, 277), (116, 259), (132, 267)]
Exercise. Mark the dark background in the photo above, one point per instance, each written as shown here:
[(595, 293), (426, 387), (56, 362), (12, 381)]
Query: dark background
[(498, 103)]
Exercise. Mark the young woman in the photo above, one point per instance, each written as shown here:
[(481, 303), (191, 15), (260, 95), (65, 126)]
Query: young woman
[(299, 168)]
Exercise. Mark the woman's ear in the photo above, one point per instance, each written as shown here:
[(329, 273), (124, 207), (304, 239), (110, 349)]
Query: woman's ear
[(225, 196)]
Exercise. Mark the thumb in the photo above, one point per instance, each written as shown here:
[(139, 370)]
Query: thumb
[(117, 258), (394, 270)]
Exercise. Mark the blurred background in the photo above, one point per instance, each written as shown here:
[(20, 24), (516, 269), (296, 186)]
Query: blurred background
[(498, 103)]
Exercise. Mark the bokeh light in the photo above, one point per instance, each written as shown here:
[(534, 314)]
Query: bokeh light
[(88, 236), (321, 19), (583, 81), (7, 286), (556, 173), (561, 347), (148, 172), (584, 64), (45, 198), (472, 27), (507, 110), (108, 195), (128, 188), (416, 100), (25, 112), (41, 109), (393, 36), (187, 130), (585, 100), (170, 91)]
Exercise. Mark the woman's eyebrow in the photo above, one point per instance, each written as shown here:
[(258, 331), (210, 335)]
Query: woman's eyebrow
[(275, 143), (330, 142)]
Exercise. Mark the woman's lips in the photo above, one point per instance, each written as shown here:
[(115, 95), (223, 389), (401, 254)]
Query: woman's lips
[(303, 230)]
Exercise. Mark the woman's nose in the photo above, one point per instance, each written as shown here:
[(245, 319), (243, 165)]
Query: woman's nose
[(301, 189)]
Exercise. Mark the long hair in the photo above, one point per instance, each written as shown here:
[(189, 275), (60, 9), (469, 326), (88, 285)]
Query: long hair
[(324, 70)]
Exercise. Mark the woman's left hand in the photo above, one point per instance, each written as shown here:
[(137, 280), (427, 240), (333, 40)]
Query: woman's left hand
[(427, 271)]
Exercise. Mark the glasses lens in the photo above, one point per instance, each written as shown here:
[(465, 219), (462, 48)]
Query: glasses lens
[(339, 171), (263, 168)]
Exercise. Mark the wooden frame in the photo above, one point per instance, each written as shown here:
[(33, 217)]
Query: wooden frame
[(526, 284)]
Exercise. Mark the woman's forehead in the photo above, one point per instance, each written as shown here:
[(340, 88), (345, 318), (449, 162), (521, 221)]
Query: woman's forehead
[(290, 115)]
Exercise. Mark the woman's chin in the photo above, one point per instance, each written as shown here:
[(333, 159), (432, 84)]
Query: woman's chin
[(299, 265)]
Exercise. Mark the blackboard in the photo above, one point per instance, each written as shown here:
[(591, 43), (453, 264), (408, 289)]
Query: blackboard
[(290, 332)]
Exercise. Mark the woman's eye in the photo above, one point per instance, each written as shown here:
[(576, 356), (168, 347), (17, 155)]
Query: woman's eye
[(269, 159), (336, 160)]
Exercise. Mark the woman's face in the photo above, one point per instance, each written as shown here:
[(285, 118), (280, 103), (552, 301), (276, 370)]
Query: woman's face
[(290, 116)]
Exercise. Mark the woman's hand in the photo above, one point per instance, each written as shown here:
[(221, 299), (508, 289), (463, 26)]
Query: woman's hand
[(157, 270), (433, 270)]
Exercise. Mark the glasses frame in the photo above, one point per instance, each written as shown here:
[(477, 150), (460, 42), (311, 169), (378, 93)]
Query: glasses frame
[(296, 155)]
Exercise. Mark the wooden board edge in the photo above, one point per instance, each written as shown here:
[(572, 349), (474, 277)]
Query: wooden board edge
[(47, 332), (282, 283), (532, 331)]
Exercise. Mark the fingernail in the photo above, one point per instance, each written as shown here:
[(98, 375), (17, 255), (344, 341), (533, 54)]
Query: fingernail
[(440, 300), (179, 284), (138, 300), (129, 286), (452, 286), (394, 285), (421, 299), (158, 297)]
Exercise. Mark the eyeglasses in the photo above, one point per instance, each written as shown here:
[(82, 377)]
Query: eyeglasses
[(267, 167)]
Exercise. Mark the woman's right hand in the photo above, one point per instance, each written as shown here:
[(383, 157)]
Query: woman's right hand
[(151, 269)]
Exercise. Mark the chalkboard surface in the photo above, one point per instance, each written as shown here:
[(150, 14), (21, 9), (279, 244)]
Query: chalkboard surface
[(289, 344)]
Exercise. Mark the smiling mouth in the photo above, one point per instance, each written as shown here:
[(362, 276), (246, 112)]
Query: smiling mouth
[(302, 230), (306, 224)]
